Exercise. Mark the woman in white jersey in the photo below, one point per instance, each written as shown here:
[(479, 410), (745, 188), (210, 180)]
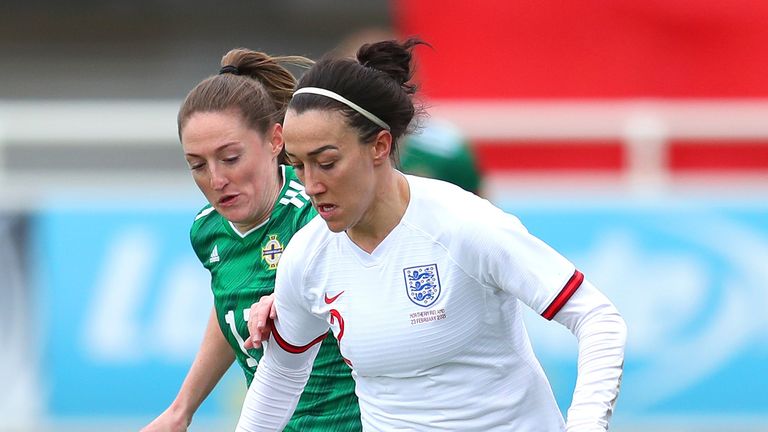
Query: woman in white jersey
[(421, 282)]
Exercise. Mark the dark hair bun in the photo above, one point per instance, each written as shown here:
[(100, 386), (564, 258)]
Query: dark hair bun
[(391, 57)]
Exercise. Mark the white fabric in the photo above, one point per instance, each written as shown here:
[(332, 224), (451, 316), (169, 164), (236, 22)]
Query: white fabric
[(463, 362), (284, 384), (602, 335)]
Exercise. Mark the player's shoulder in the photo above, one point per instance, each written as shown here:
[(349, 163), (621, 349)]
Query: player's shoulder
[(206, 210), (205, 228), (432, 197), (292, 187), (440, 206), (292, 197), (305, 245), (204, 216), (293, 206), (310, 238)]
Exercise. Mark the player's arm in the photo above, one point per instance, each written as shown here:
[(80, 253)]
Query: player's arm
[(602, 335), (556, 290), (211, 362), (278, 383), (287, 362), (505, 255)]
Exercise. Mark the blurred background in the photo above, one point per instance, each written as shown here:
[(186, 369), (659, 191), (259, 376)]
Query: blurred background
[(631, 136)]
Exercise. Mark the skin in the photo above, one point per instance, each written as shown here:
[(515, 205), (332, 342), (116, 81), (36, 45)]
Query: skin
[(353, 186), (233, 165), (236, 169), (211, 362)]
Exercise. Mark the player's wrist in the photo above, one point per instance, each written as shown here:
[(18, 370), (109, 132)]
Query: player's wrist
[(181, 412)]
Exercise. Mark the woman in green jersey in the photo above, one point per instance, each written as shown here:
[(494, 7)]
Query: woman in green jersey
[(231, 134)]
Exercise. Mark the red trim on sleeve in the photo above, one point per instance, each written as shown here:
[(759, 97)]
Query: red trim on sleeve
[(565, 294), (293, 349)]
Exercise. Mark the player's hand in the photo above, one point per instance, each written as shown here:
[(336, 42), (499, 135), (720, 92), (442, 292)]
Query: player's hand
[(259, 321), (168, 421)]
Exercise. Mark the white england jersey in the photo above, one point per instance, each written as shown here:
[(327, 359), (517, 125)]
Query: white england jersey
[(430, 322)]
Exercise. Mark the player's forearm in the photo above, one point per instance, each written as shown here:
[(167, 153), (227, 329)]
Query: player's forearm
[(276, 388), (601, 332), (211, 362)]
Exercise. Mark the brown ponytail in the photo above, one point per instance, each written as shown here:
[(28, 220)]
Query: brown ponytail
[(259, 86)]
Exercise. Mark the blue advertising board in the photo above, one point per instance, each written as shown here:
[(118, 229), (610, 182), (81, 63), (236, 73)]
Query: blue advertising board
[(123, 303), (691, 280)]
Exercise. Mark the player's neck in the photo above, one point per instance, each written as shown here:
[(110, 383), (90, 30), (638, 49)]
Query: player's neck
[(269, 200), (385, 213)]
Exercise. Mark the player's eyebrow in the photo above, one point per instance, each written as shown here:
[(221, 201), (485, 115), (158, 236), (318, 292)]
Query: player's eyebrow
[(216, 150), (316, 151)]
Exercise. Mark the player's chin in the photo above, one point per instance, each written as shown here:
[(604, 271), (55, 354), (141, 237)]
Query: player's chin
[(335, 225), (236, 215)]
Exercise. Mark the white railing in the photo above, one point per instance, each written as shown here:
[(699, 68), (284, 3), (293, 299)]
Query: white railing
[(42, 125), (89, 121), (644, 126)]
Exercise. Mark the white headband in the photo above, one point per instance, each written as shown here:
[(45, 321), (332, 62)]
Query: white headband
[(327, 93)]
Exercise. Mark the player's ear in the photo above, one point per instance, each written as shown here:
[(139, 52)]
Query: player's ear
[(382, 147), (275, 137)]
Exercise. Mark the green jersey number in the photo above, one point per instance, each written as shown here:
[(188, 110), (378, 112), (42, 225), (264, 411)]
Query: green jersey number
[(230, 319)]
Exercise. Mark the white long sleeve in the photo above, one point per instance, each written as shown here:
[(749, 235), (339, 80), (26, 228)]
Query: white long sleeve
[(276, 389), (285, 368), (602, 335)]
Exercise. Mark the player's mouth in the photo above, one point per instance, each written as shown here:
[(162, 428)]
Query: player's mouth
[(325, 210), (228, 200)]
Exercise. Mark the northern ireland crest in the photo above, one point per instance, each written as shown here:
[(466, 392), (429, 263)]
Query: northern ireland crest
[(272, 251), (422, 284)]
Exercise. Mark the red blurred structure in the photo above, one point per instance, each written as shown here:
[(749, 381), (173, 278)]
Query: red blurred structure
[(677, 59)]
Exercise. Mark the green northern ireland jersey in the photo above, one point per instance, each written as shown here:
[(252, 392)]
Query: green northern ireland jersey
[(242, 268)]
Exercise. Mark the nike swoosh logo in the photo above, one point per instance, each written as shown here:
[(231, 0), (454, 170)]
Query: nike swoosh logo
[(329, 300)]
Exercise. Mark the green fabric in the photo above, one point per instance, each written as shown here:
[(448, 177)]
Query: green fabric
[(242, 271), (440, 151)]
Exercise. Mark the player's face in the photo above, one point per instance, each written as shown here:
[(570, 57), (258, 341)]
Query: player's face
[(234, 166), (336, 169)]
